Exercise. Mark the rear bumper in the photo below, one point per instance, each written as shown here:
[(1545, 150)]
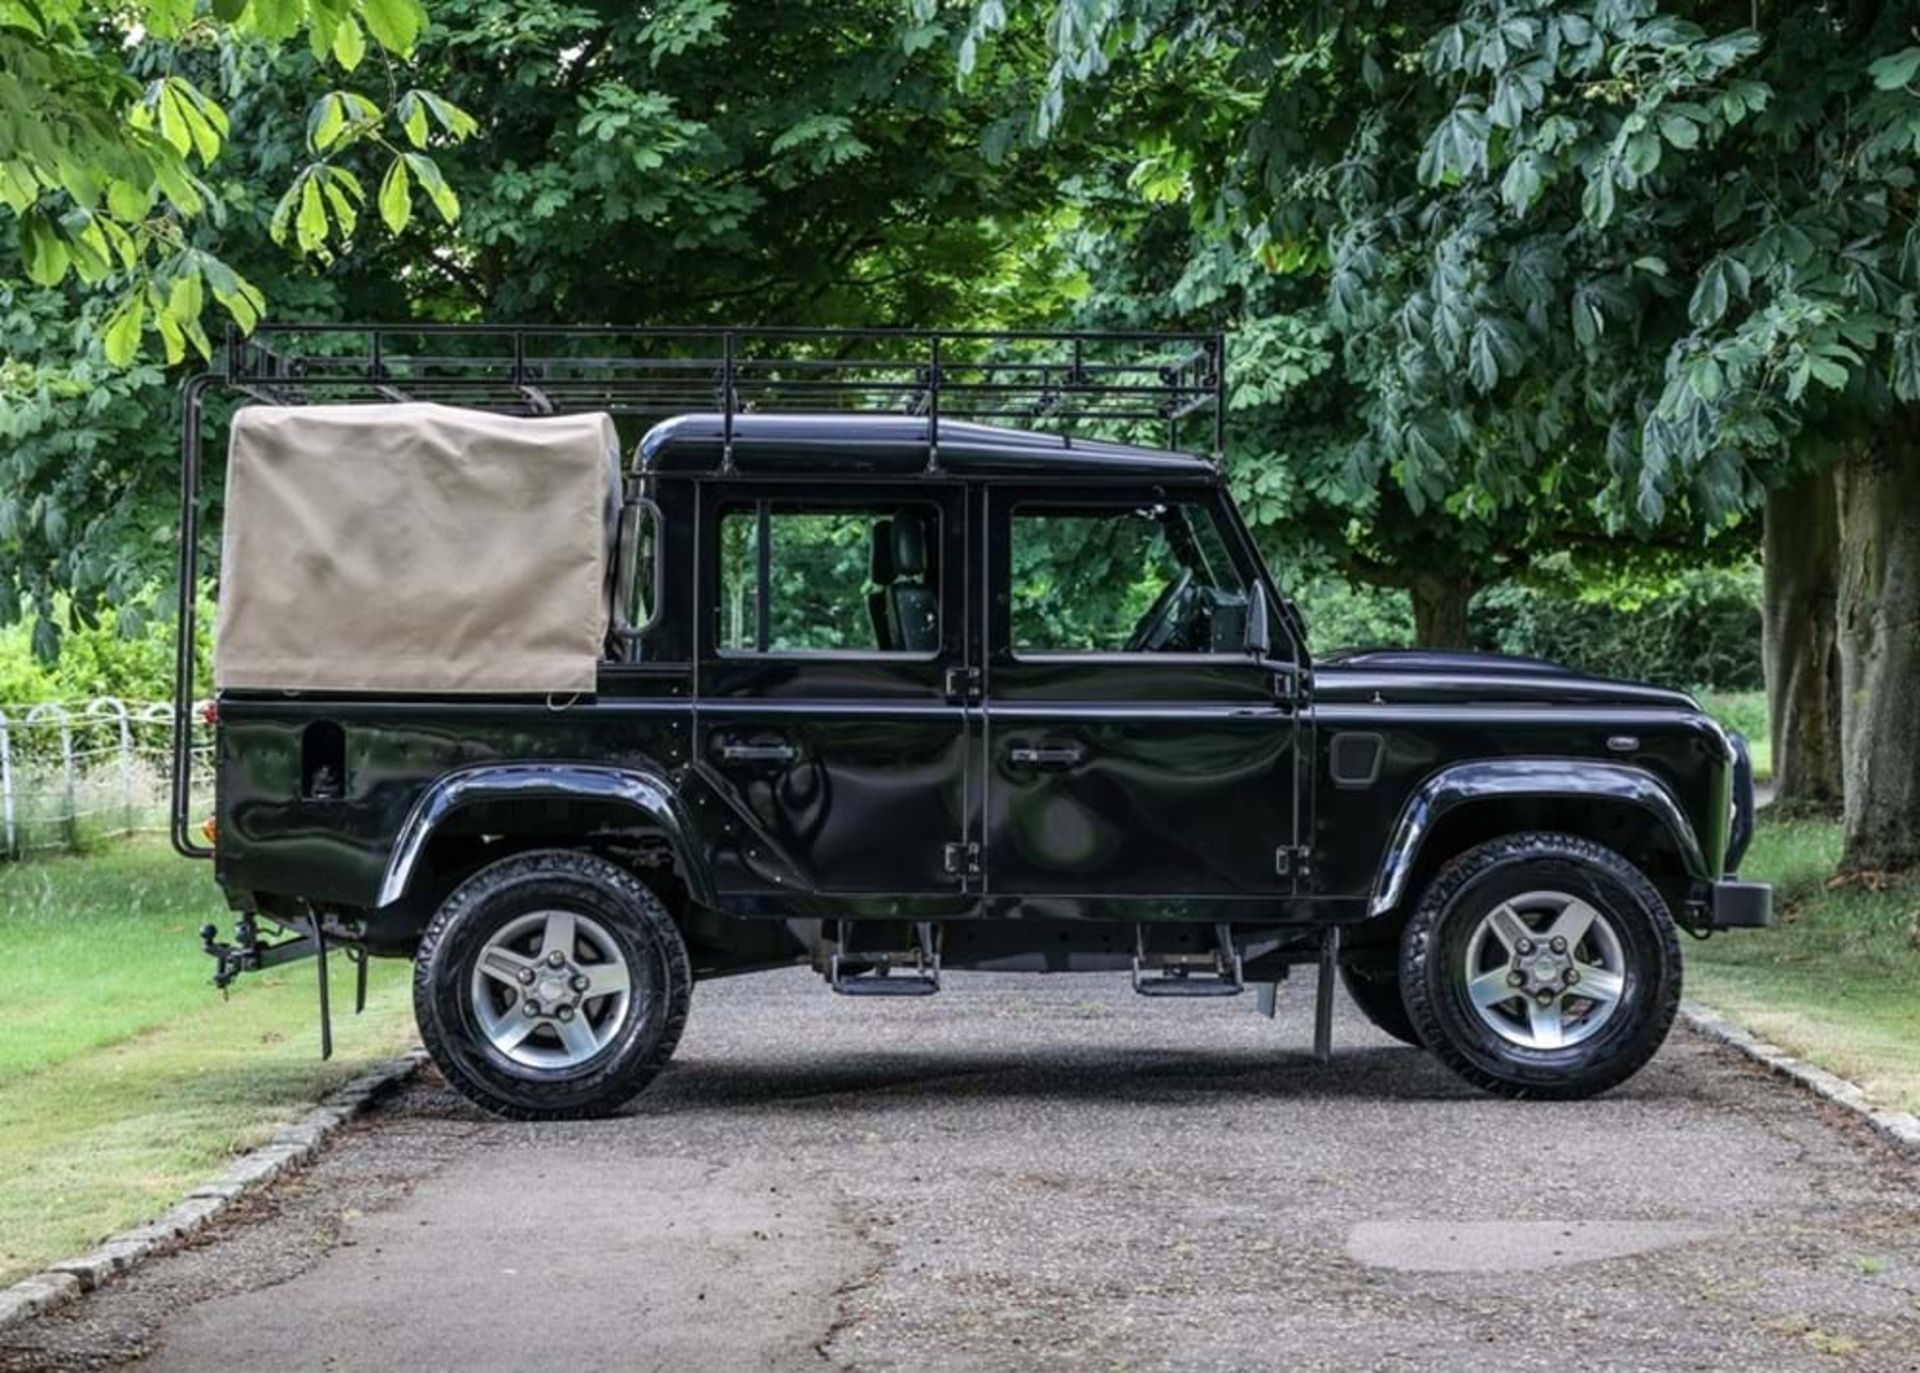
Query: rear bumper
[(1736, 905)]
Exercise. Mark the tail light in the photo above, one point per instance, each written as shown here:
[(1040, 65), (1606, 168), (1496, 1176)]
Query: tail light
[(208, 830)]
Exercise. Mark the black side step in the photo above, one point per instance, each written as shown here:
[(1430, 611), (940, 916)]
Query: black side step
[(858, 973), (1215, 973)]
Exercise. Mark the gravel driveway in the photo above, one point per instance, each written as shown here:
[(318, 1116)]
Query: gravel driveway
[(1053, 1172)]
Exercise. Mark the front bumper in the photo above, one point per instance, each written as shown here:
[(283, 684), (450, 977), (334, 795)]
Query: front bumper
[(1736, 905)]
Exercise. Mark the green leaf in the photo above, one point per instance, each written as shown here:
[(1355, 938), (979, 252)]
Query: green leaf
[(180, 189), (326, 122), (120, 340), (345, 217), (185, 299), (19, 187), (349, 44), (310, 225), (394, 24), (456, 121), (413, 118), (1680, 131), (1642, 154), (1597, 201), (283, 212), (1722, 280), (1492, 352), (1521, 185), (87, 246), (228, 11), (128, 201), (396, 196), (42, 248), (1703, 375), (435, 185), (323, 26), (172, 337), (277, 20), (1828, 372), (1892, 72)]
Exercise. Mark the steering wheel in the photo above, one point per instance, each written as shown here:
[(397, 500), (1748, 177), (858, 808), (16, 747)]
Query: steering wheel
[(1150, 635)]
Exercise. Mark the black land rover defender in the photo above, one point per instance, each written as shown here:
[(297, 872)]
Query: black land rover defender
[(891, 691)]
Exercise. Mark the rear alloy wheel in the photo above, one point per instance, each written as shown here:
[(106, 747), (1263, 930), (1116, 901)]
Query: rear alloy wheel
[(1542, 965), (551, 985)]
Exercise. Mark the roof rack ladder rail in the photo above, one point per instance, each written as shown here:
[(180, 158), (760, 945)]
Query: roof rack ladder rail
[(1219, 349), (933, 403), (726, 402), (189, 575)]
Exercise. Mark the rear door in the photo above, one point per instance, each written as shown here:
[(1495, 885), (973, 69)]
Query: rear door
[(1135, 750), (830, 632)]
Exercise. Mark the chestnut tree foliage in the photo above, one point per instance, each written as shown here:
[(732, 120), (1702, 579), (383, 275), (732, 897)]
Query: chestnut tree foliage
[(1515, 286), (1630, 263), (113, 118), (682, 162)]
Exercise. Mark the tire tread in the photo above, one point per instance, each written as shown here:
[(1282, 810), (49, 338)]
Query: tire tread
[(1616, 1058), (613, 1084)]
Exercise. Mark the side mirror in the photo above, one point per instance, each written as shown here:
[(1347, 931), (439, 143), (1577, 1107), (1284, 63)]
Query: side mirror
[(1259, 632), (636, 568)]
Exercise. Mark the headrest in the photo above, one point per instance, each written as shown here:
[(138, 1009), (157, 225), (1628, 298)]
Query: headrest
[(910, 545), (881, 566)]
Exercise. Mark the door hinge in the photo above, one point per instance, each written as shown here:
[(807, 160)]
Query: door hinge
[(963, 683), (962, 860), (1291, 860)]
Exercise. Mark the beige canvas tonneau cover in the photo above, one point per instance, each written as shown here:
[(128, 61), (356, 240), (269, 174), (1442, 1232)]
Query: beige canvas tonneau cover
[(415, 548)]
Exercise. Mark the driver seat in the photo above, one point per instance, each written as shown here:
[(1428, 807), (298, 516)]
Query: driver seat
[(911, 604)]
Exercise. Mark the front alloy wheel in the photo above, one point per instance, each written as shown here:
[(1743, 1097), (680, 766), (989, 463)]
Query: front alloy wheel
[(1542, 965), (1545, 970)]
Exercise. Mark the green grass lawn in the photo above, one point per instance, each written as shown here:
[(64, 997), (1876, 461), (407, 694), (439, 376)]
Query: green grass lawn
[(1837, 979), (124, 1078)]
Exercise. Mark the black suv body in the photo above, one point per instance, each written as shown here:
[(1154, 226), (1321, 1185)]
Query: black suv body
[(987, 758)]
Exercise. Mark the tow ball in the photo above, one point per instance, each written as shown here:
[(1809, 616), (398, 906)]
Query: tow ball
[(249, 953)]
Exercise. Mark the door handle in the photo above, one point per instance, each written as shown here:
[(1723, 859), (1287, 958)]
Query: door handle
[(758, 753), (1050, 756)]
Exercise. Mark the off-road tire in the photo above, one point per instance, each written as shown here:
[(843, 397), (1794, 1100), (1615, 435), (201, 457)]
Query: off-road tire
[(1432, 950), (1377, 994), (442, 977)]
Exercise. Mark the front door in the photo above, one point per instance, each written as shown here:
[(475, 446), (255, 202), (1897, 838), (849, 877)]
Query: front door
[(830, 632), (1139, 759)]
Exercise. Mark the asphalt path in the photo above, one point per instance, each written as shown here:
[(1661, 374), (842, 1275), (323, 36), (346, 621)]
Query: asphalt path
[(1052, 1172)]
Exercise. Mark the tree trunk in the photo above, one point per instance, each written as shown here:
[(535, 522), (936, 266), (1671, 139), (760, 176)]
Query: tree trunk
[(1878, 485), (1802, 549), (1440, 610)]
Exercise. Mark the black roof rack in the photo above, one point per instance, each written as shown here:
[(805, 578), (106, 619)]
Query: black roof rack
[(1093, 385), (1113, 385)]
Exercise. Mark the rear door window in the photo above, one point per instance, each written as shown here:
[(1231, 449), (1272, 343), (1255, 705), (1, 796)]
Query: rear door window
[(829, 579)]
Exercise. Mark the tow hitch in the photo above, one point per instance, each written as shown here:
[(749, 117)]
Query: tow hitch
[(250, 953)]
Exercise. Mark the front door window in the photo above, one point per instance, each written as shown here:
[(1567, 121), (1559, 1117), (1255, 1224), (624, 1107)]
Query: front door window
[(1148, 578)]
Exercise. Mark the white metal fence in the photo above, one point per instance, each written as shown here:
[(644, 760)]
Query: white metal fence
[(75, 772)]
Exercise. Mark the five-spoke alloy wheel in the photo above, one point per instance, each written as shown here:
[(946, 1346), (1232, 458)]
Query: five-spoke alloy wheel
[(551, 989), (1545, 970), (1541, 965), (551, 985)]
